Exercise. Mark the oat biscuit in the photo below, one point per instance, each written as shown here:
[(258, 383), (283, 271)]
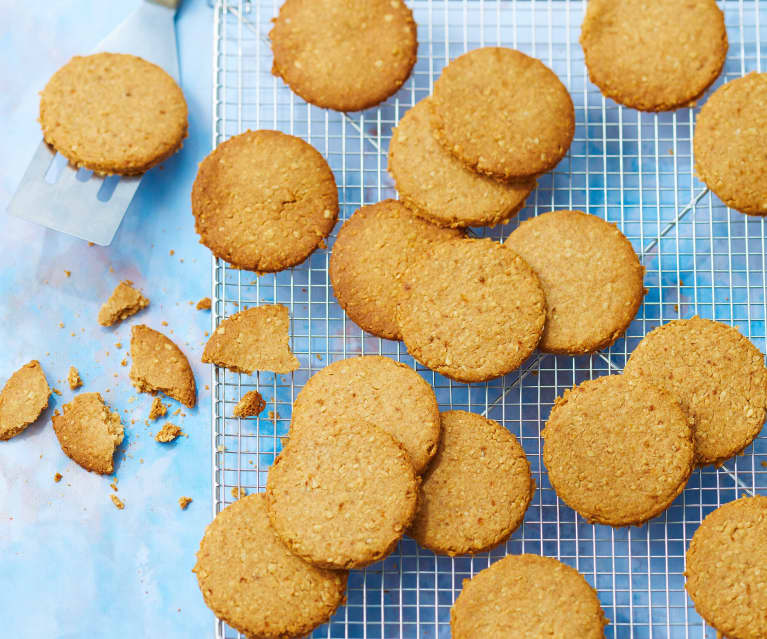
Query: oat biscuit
[(378, 390), (256, 339), (344, 54), (122, 303), (113, 113), (435, 185), (168, 433), (717, 375), (730, 138), (159, 365), (89, 433), (653, 55), (725, 568), (23, 399), (372, 250), (591, 277), (471, 309), (251, 404), (618, 449), (527, 596), (341, 496), (476, 490), (502, 113), (250, 580), (263, 200)]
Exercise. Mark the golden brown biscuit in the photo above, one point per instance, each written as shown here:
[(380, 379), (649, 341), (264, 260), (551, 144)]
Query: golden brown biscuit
[(729, 143), (618, 450), (159, 365), (653, 55), (471, 309), (158, 409), (476, 490), (378, 390), (23, 399), (89, 433), (717, 375), (113, 113), (251, 404), (434, 184), (527, 596), (502, 113), (263, 200), (590, 275), (725, 568), (122, 303), (372, 250), (345, 55), (168, 433), (73, 378), (341, 496), (250, 580), (254, 339)]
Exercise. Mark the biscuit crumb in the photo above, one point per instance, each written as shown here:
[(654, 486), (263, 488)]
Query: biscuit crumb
[(124, 302), (57, 477), (164, 323), (172, 252), (57, 391), (61, 324), (273, 414), (764, 464), (116, 501), (238, 492), (251, 404), (124, 362), (113, 485), (203, 304), (168, 433), (118, 344), (158, 409), (67, 273), (183, 502), (74, 379)]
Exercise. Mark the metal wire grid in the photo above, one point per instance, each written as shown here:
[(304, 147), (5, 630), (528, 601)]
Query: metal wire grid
[(630, 168)]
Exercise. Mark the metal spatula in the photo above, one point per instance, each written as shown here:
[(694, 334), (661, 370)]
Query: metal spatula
[(77, 202)]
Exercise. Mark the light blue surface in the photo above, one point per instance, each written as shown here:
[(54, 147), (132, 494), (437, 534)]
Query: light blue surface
[(71, 564)]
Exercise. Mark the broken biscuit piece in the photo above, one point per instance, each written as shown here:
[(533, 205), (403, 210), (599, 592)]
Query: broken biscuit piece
[(158, 409), (89, 433), (124, 302), (117, 502), (251, 404), (183, 502), (254, 339), (203, 304), (23, 398), (74, 379), (159, 365), (168, 433)]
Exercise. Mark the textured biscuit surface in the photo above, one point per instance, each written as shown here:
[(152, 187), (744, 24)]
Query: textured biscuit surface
[(122, 303), (254, 339), (471, 309), (251, 404), (653, 55), (618, 449), (89, 432), (527, 596), (250, 580), (159, 365), (341, 496), (113, 113), (436, 185), (717, 375), (725, 568), (590, 275), (23, 399), (378, 390), (503, 113), (730, 139), (372, 250), (264, 200), (476, 490), (345, 55)]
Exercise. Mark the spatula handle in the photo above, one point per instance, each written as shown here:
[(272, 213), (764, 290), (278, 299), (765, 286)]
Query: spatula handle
[(171, 4)]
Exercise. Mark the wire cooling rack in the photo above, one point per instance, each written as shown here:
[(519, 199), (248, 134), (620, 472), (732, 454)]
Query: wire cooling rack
[(630, 168)]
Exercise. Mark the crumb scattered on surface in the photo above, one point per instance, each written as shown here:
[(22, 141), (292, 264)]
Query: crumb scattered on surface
[(168, 433), (172, 252), (273, 414), (116, 501), (57, 391), (124, 302), (251, 404), (113, 485), (764, 464), (183, 502), (164, 323), (61, 324), (124, 362), (118, 345), (158, 409), (67, 273), (74, 379), (238, 492), (57, 477), (176, 412), (203, 304)]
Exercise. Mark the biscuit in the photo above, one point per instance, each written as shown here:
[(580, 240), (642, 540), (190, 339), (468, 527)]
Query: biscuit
[(527, 596), (89, 433), (502, 113), (471, 309), (372, 250), (254, 339), (23, 399), (158, 409), (591, 277), (476, 490), (113, 113), (341, 495), (434, 184), (122, 303), (159, 365), (717, 375), (168, 433), (378, 390), (342, 54), (251, 404), (263, 200), (729, 142), (618, 450), (725, 568), (250, 580), (653, 55)]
